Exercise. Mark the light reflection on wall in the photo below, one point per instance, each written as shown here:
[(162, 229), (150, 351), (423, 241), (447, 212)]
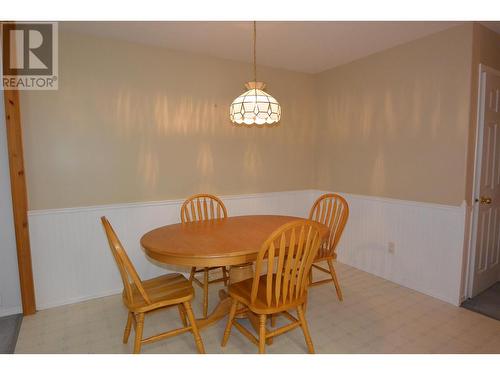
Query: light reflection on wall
[(203, 123), (148, 165), (252, 161), (378, 175), (205, 162), (156, 122)]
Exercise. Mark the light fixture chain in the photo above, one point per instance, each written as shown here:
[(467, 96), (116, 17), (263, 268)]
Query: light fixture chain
[(255, 106), (255, 51)]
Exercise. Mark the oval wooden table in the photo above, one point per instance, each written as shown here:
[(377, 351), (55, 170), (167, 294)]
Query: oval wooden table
[(233, 241)]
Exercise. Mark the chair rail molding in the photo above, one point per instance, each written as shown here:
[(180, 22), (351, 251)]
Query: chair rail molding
[(69, 244)]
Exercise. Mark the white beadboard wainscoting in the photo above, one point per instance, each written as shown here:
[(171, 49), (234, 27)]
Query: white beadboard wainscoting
[(72, 262), (428, 243), (70, 254)]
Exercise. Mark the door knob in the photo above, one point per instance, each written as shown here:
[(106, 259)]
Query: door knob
[(485, 200)]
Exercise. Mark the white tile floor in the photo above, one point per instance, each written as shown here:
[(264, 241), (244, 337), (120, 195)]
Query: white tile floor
[(377, 316)]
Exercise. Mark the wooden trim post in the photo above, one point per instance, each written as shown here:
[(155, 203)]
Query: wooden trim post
[(19, 198)]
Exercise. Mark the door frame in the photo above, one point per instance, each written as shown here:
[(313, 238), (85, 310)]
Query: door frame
[(476, 177)]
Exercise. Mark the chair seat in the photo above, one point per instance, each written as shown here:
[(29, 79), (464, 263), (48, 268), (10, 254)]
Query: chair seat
[(164, 290), (241, 291)]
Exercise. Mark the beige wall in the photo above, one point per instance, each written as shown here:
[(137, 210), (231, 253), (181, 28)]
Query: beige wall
[(486, 50), (134, 123), (395, 124), (137, 123)]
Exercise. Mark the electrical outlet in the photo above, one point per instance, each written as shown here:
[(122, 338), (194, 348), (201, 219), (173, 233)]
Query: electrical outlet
[(391, 247)]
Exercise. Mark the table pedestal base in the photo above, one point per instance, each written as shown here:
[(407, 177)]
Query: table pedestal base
[(236, 273), (220, 311)]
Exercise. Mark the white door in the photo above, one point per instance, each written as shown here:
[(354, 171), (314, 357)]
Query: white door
[(487, 186)]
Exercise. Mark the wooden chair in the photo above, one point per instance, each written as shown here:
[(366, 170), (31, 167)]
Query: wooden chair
[(333, 211), (141, 297), (288, 254), (202, 207)]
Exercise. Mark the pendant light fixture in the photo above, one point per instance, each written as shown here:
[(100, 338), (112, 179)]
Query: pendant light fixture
[(255, 106)]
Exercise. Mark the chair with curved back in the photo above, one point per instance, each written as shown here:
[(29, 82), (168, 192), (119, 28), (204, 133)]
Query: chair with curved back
[(331, 210), (143, 296), (202, 207), (288, 255)]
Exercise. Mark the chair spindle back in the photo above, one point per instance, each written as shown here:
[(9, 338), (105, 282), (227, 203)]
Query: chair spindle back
[(201, 207), (331, 210), (128, 273), (289, 253)]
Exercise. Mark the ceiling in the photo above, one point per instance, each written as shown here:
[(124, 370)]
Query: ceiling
[(308, 47)]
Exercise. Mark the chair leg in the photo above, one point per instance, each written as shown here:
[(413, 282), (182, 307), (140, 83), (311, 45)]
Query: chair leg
[(205, 292), (335, 281), (305, 329), (191, 274), (194, 327), (224, 274), (182, 314), (262, 334), (139, 325), (128, 327), (273, 324), (229, 324)]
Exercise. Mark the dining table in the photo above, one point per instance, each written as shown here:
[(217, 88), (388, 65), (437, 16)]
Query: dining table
[(233, 241)]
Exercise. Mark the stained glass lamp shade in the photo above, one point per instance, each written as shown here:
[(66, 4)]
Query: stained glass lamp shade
[(255, 106)]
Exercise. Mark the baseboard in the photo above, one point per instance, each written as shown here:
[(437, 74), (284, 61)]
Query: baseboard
[(69, 301), (10, 311)]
